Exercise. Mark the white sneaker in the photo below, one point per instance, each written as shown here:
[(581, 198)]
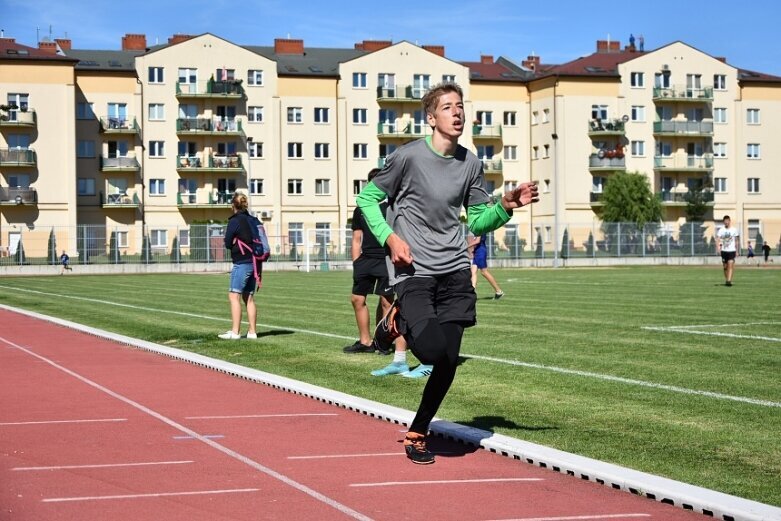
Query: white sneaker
[(252, 335), (229, 335)]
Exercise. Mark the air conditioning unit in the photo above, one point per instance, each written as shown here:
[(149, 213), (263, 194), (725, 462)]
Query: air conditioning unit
[(266, 214), (665, 67)]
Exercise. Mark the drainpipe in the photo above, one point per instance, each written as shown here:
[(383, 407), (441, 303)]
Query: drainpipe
[(555, 137)]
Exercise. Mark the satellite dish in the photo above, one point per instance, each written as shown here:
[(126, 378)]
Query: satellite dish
[(624, 118)]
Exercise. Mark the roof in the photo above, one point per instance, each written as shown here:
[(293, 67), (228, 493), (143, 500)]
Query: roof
[(10, 50), (323, 62), (123, 61), (500, 70), (604, 64), (747, 76)]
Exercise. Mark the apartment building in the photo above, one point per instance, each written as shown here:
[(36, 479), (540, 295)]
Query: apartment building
[(150, 140)]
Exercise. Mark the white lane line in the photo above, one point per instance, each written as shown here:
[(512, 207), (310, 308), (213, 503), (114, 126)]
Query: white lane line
[(225, 450), (577, 518), (711, 333), (53, 422), (694, 326), (329, 456), (260, 416), (641, 383), (442, 482), (158, 494), (210, 436), (107, 465)]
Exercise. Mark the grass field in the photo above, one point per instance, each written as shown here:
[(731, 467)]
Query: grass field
[(662, 369)]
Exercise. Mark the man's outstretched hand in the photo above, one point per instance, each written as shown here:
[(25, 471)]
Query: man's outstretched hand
[(525, 193)]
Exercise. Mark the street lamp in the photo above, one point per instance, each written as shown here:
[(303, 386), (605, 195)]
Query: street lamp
[(249, 173)]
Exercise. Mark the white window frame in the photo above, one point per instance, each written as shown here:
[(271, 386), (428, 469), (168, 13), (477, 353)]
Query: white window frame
[(535, 117), (720, 185), (360, 151), (85, 186), (156, 148), (753, 117), (295, 150), (256, 186), (256, 150), (360, 116), (156, 112), (637, 80), (322, 151), (753, 151), (448, 78), (545, 116), (85, 110), (510, 185), (158, 238), (156, 75), (719, 150), (295, 186), (184, 237), (719, 82), (638, 113), (255, 114), (600, 112), (720, 115), (545, 151), (359, 185), (752, 185), (255, 78), (322, 115), (510, 118), (360, 80), (322, 187), (295, 115), (157, 187), (295, 233), (638, 148), (510, 152), (85, 148)]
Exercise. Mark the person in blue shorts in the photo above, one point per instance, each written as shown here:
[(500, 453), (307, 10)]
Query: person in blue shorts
[(65, 261), (479, 250)]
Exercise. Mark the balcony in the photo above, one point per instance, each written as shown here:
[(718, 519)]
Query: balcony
[(400, 94), (683, 128), (212, 163), (595, 198), (403, 129), (682, 198), (216, 126), (492, 166), (595, 162), (607, 127), (119, 164), (17, 118), (22, 157), (210, 89), (684, 163), (683, 94), (117, 125), (123, 200), (215, 200), (17, 195), (486, 132)]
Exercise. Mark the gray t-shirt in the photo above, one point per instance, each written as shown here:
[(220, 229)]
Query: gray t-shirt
[(426, 192)]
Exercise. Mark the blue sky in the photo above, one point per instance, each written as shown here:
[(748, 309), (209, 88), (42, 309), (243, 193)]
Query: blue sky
[(558, 31)]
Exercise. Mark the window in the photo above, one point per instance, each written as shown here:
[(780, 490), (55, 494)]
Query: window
[(321, 115), (84, 111), (256, 186), (535, 152), (359, 185), (448, 78), (719, 115), (720, 185), (359, 80), (223, 74), (719, 82), (295, 233), (157, 187), (546, 151), (752, 116), (121, 238), (323, 233), (485, 117), (598, 184), (295, 115), (256, 150), (753, 229), (752, 151), (117, 111), (420, 84), (545, 115), (535, 117), (295, 186), (158, 238), (295, 150), (85, 148), (360, 116), (184, 237), (719, 150), (255, 78), (510, 119), (227, 149), (188, 77), (187, 148), (255, 114), (156, 148), (156, 112), (85, 186), (638, 113), (19, 180), (599, 112), (546, 186), (638, 148), (753, 185), (322, 151), (511, 152), (156, 75), (360, 151), (637, 80), (510, 185), (322, 187), (664, 148), (662, 80), (548, 234)]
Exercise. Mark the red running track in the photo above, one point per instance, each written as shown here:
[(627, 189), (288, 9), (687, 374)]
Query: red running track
[(94, 430)]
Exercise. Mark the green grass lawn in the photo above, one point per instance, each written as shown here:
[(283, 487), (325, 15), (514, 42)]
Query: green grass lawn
[(535, 367)]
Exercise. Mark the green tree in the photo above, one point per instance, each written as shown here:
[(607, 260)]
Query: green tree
[(628, 198), (176, 253), (113, 249), (590, 244), (538, 250), (758, 243), (564, 253), (20, 257), (146, 251), (52, 248)]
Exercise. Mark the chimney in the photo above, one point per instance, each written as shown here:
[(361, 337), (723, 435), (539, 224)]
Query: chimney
[(8, 39), (630, 48), (722, 59), (486, 59), (288, 46), (48, 47), (179, 38), (608, 46), (373, 45), (439, 50), (531, 62), (134, 42), (64, 43)]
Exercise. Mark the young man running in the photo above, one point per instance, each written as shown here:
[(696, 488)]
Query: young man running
[(427, 182), (728, 247)]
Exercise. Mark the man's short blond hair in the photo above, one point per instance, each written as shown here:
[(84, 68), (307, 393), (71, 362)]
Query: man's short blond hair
[(431, 99)]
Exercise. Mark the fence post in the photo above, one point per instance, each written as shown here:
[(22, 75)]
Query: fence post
[(306, 251), (618, 235)]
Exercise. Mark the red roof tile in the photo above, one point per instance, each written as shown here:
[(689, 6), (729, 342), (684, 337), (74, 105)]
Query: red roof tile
[(10, 50)]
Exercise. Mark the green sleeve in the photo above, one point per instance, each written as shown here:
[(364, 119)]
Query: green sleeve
[(483, 218), (369, 202)]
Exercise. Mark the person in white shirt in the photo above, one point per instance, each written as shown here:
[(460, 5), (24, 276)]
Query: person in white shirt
[(728, 247)]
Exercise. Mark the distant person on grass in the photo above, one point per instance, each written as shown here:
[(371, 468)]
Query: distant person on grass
[(65, 261), (479, 252), (427, 183), (727, 237), (242, 279), (750, 253), (766, 251)]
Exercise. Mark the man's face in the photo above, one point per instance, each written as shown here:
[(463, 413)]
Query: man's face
[(448, 118), (727, 222)]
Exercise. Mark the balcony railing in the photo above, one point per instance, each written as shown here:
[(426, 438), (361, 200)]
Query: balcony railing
[(212, 126), (606, 127), (120, 200), (17, 157), (119, 163), (18, 118), (18, 195), (595, 197), (492, 165), (119, 125), (683, 197), (210, 89), (606, 163), (210, 162), (683, 93), (486, 131), (403, 129), (689, 128), (684, 162), (400, 93), (192, 200)]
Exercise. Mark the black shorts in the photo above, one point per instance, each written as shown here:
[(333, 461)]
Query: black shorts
[(727, 256), (371, 276), (448, 298)]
